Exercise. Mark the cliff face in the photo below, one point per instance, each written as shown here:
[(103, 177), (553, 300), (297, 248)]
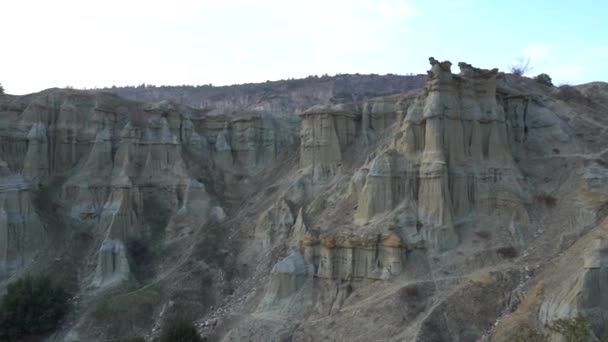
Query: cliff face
[(336, 216)]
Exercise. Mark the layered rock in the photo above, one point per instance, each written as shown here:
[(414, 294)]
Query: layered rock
[(451, 159), (112, 264), (274, 225), (22, 233), (404, 212), (288, 276), (36, 164), (253, 141), (583, 293), (338, 258), (325, 133), (88, 187), (194, 211), (349, 256), (123, 170)]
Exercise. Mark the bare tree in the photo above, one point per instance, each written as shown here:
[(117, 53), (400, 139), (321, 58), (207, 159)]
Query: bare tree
[(1, 89), (521, 66)]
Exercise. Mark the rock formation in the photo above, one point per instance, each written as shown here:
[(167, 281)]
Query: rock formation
[(325, 133), (451, 158), (22, 233), (583, 292), (344, 208), (112, 266)]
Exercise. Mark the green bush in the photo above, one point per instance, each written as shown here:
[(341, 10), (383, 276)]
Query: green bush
[(527, 334), (32, 305), (574, 330), (508, 252), (544, 79), (179, 330), (141, 258), (210, 239), (127, 312)]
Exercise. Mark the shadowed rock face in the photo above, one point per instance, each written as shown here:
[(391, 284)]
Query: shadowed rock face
[(102, 157), (317, 212), (112, 266), (22, 233), (583, 292)]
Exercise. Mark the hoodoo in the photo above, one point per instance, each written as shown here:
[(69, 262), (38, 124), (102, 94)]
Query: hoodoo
[(441, 207)]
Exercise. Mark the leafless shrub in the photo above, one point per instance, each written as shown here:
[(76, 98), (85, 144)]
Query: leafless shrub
[(410, 292), (483, 234), (508, 252), (568, 93), (521, 66), (546, 199)]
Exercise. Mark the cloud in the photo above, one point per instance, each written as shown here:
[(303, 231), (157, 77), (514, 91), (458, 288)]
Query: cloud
[(458, 4), (575, 71), (393, 9), (539, 51), (600, 51)]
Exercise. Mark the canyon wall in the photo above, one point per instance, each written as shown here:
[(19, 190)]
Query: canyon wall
[(361, 208)]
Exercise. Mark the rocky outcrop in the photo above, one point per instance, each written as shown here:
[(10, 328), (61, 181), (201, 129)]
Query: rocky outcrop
[(287, 277), (274, 225), (348, 256), (112, 264), (123, 170), (583, 293), (467, 312), (426, 215), (254, 142), (36, 164), (340, 258), (450, 160), (22, 233), (325, 133)]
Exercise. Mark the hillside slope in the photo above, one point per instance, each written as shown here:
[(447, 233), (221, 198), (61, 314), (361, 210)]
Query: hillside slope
[(458, 211)]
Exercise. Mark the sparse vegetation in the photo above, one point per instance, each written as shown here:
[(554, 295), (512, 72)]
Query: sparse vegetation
[(521, 66), (179, 330), (573, 330), (569, 93), (32, 305), (132, 339), (544, 79), (508, 252), (141, 258), (483, 234), (410, 292), (157, 214), (547, 200), (127, 313), (209, 246), (528, 334)]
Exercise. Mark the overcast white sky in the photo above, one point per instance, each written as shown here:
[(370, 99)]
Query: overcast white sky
[(126, 42)]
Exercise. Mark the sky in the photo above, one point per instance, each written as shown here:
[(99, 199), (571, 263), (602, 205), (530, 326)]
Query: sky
[(101, 43)]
